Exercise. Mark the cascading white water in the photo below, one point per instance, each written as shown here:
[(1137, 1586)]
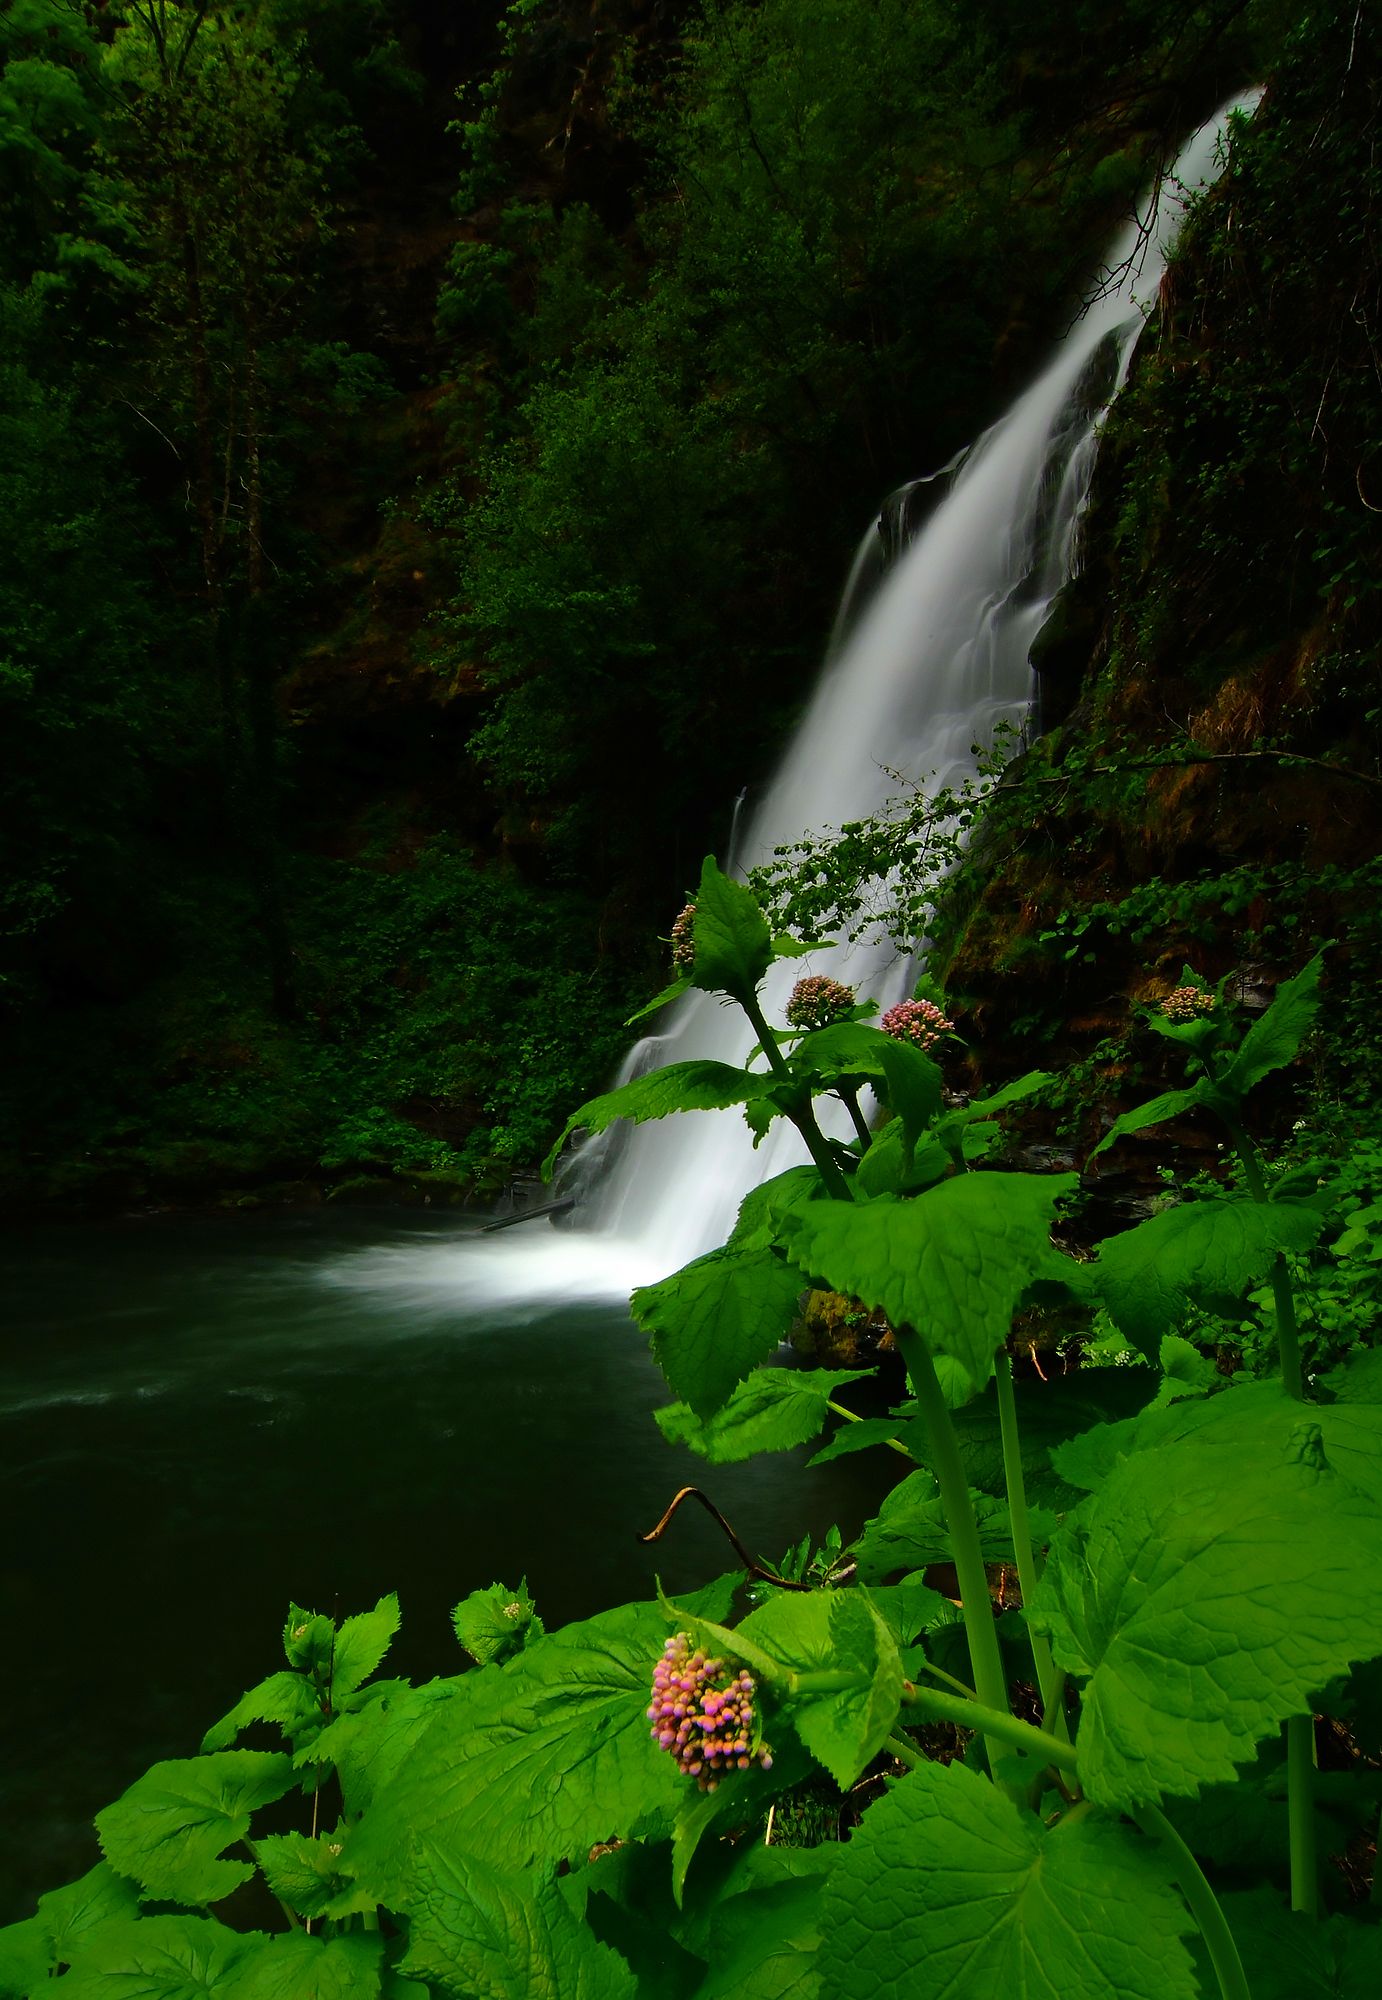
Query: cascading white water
[(937, 660)]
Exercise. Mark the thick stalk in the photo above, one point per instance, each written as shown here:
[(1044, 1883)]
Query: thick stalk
[(1203, 1904), (803, 1117), (996, 1724), (850, 1100), (1021, 1530), (1300, 1797), (1300, 1729), (1283, 1299), (986, 1661)]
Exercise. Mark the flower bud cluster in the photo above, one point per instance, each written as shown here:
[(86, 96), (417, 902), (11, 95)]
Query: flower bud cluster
[(702, 1713), (817, 1001), (916, 1021), (1187, 1003), (683, 940)]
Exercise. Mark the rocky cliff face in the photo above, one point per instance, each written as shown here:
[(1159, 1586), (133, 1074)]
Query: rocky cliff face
[(1210, 786)]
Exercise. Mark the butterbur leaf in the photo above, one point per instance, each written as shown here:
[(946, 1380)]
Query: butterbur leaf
[(1206, 1593), (1255, 1416), (914, 1088), (159, 1958), (308, 1874), (72, 1914), (741, 1800), (368, 1743), (170, 1827), (847, 1048), (699, 1085), (286, 1698), (479, 1933), (764, 1940), (662, 999), (910, 1530), (26, 1958), (361, 1644), (531, 1762), (495, 1623), (837, 1631), (1156, 1111), (952, 1263), (734, 946), (296, 1966), (948, 1891), (1275, 1037), (773, 1410), (1288, 1957), (1150, 1276), (309, 1641), (761, 1211), (717, 1318)]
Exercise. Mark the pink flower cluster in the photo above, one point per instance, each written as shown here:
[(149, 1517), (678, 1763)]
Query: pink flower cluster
[(917, 1021), (817, 1001), (702, 1712), (683, 940), (1187, 1003)]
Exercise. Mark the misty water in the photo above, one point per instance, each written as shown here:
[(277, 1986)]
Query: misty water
[(202, 1419)]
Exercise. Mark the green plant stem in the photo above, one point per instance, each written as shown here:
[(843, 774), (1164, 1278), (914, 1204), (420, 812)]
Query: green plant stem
[(850, 1099), (1287, 1333), (853, 1417), (1021, 1529), (986, 1661), (803, 1117), (996, 1724), (1300, 1800), (905, 1752), (1300, 1729), (1203, 1903)]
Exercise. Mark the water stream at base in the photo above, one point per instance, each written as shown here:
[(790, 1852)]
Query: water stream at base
[(929, 668)]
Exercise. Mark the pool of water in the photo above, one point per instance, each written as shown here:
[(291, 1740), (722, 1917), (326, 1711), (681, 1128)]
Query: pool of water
[(203, 1419)]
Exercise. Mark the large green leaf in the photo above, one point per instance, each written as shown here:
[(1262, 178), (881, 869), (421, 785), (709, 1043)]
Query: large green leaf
[(759, 1220), (734, 946), (532, 1762), (1252, 1415), (835, 1631), (168, 1829), (952, 1263), (1288, 1957), (699, 1085), (765, 1940), (846, 1048), (160, 1958), (67, 1919), (1150, 1276), (1275, 1037), (477, 1933), (368, 1743), (717, 1318), (773, 1410), (1208, 1592), (296, 1966), (289, 1699), (914, 1088), (948, 1891), (26, 1958)]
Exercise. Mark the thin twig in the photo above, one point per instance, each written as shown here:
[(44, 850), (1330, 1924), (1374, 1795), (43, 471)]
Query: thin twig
[(751, 1563)]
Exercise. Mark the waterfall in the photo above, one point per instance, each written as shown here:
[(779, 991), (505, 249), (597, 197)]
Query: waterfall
[(929, 659)]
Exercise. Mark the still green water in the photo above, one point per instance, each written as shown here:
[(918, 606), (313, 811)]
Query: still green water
[(203, 1419)]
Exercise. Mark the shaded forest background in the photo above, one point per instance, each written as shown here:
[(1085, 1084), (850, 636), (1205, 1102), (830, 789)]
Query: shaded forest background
[(432, 440)]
